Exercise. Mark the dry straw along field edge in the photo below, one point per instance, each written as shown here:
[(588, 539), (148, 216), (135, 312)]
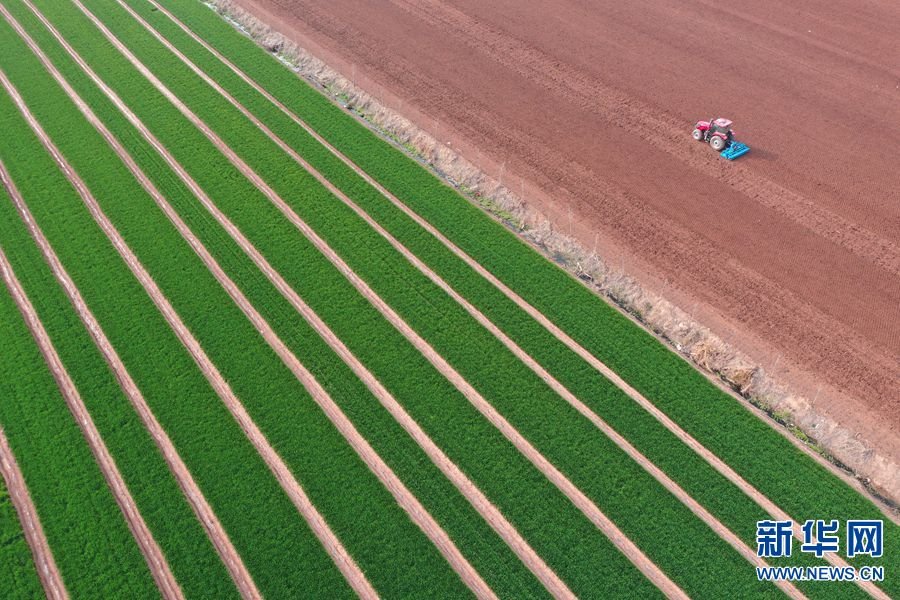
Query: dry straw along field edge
[(376, 163), (229, 470), (675, 326), (535, 564), (269, 192), (154, 63), (355, 498)]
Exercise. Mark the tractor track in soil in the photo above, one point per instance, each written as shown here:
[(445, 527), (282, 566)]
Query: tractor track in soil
[(153, 555), (575, 495), (279, 469), (384, 396), (777, 249), (201, 507), (44, 563), (662, 130)]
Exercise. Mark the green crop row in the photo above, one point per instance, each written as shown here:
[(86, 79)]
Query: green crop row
[(92, 545), (19, 579), (794, 481), (567, 438)]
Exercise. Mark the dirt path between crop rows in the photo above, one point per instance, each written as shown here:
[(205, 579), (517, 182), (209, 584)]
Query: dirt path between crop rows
[(625, 545), (156, 561), (44, 563), (377, 389), (792, 251), (292, 488), (204, 512)]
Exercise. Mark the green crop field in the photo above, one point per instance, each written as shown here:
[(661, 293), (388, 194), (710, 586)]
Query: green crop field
[(390, 315)]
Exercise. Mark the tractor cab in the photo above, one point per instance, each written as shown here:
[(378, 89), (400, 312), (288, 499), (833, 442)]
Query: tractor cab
[(720, 126)]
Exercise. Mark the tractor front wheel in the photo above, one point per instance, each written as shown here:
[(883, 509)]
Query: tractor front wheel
[(717, 143), (697, 135)]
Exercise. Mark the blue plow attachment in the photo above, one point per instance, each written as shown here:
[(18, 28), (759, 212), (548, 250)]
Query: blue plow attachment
[(734, 150)]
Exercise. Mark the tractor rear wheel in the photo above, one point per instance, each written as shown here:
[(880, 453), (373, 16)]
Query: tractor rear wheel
[(697, 135), (717, 143)]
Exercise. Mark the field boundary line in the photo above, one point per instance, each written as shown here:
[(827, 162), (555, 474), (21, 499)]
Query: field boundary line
[(576, 496), (276, 464), (45, 564), (719, 528), (467, 488), (714, 461), (404, 497), (201, 507), (156, 560)]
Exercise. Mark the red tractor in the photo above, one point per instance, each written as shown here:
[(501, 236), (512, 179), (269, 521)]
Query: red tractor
[(718, 133), (720, 136)]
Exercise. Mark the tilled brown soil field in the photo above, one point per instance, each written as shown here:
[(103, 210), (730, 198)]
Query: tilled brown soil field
[(792, 252)]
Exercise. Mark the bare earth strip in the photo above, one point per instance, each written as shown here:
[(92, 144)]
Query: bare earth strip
[(195, 497), (402, 495), (720, 529), (558, 387), (162, 574), (619, 539), (476, 266), (21, 499)]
